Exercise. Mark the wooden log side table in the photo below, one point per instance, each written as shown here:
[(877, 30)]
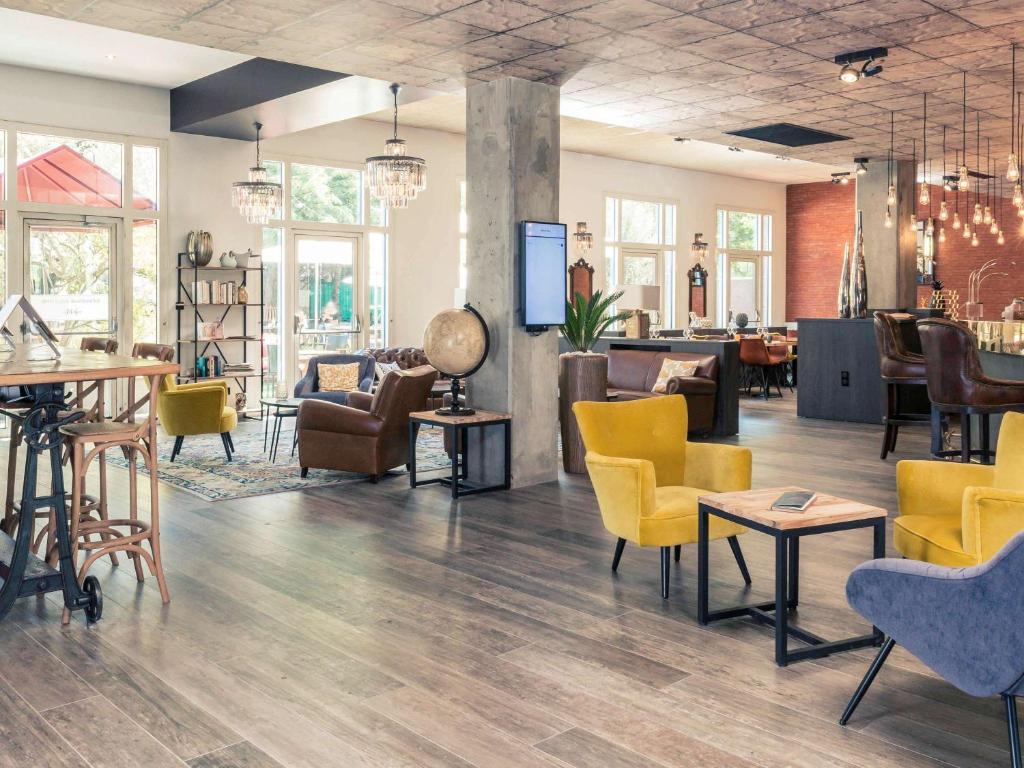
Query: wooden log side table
[(455, 428), (753, 510)]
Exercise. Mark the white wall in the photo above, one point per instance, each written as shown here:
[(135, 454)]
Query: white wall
[(424, 238)]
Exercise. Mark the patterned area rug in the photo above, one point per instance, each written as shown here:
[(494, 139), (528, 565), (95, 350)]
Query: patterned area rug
[(201, 468)]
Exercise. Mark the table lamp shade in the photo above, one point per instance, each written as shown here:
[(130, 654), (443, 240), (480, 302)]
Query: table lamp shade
[(640, 297)]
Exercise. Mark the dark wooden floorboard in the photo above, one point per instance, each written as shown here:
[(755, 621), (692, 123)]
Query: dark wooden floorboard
[(371, 625)]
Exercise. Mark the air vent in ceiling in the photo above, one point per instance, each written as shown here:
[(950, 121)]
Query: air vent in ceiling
[(788, 135)]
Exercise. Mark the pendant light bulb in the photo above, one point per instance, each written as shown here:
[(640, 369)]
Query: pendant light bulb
[(942, 234), (967, 231), (943, 211), (977, 218), (1012, 170), (925, 197), (1001, 240), (994, 229), (987, 217), (1018, 195), (929, 227), (888, 217), (956, 220), (974, 240), (963, 182), (891, 199)]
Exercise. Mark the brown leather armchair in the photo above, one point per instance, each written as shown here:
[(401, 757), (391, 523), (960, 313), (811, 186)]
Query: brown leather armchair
[(371, 433), (900, 368), (957, 384)]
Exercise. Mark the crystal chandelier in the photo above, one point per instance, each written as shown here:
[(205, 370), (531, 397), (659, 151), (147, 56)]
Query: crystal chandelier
[(257, 199), (395, 177), (583, 239)]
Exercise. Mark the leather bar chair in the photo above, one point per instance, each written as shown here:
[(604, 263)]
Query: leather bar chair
[(754, 355), (957, 385), (90, 440), (900, 368)]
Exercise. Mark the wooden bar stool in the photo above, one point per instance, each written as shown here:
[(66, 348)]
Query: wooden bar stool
[(90, 440), (957, 384), (900, 368)]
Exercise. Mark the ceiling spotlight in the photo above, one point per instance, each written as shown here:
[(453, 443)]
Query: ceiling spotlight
[(682, 139), (862, 165), (111, 56), (735, 149), (851, 73), (842, 177), (784, 158)]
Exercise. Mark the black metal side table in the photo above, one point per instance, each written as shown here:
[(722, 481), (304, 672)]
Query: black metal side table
[(455, 428), (280, 408), (753, 509)]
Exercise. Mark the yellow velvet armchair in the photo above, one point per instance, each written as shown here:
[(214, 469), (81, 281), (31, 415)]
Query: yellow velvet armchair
[(647, 476), (962, 514), (199, 408)]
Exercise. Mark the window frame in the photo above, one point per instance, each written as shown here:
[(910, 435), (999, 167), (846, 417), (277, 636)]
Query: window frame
[(616, 250), (763, 258)]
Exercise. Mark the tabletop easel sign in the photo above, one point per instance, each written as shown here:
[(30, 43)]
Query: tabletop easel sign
[(35, 322)]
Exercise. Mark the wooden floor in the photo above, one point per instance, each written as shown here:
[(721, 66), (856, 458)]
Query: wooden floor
[(368, 625)]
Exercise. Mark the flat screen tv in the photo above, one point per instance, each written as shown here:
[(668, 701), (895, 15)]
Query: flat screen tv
[(542, 274)]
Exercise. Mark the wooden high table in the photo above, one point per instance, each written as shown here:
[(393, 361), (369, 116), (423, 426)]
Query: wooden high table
[(21, 572), (753, 509)]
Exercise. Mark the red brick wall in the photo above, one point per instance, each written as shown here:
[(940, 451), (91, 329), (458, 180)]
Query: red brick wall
[(819, 221)]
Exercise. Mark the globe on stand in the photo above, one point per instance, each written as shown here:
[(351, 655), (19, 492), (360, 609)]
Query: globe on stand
[(456, 342)]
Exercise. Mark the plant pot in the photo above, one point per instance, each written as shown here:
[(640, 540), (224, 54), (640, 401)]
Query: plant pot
[(581, 376)]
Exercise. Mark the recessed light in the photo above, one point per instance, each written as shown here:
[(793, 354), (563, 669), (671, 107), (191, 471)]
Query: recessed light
[(111, 56)]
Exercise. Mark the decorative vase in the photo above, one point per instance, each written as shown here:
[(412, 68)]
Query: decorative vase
[(240, 401), (199, 247), (860, 274), (227, 260), (243, 295), (242, 259), (843, 304), (581, 376)]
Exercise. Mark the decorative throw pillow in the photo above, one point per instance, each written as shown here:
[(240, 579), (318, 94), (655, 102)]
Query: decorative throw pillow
[(670, 369), (338, 378), (383, 368)]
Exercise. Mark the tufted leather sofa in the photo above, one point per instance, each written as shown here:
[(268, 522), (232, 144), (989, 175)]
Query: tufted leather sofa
[(409, 357), (633, 372)]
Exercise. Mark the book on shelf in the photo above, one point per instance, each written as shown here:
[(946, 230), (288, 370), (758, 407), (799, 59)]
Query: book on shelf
[(215, 292)]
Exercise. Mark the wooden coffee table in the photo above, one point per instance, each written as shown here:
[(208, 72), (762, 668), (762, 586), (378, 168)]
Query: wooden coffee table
[(753, 510)]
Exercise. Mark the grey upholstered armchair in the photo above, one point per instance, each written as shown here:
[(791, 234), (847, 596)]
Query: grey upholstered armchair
[(964, 623), (309, 385)]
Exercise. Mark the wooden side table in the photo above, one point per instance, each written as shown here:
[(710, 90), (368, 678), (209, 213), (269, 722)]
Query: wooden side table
[(455, 428), (753, 510)]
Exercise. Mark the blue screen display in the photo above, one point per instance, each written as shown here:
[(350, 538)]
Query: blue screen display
[(543, 273)]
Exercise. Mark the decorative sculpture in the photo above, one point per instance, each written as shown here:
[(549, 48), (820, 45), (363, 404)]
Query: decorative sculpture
[(975, 307), (844, 285), (860, 274)]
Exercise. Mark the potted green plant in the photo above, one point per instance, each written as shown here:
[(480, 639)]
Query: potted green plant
[(582, 373)]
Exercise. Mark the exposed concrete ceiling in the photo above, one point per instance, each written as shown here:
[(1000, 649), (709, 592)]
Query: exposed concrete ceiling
[(45, 42), (696, 68), (448, 113)]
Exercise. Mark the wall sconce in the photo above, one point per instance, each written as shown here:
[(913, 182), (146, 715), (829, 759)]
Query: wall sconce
[(583, 240), (698, 248)]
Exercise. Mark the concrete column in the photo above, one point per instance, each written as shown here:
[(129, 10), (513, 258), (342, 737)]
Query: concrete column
[(890, 253), (512, 156)]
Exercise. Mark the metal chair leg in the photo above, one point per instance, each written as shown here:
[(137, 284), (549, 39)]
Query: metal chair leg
[(666, 561), (677, 552), (869, 678), (177, 446), (619, 546), (224, 438), (734, 545), (1013, 729)]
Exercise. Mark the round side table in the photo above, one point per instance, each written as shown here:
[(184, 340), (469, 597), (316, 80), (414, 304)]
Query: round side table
[(280, 408)]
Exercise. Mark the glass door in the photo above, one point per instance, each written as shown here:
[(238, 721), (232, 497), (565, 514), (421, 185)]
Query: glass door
[(328, 303), (69, 269)]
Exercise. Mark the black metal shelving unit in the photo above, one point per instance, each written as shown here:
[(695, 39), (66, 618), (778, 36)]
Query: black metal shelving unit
[(231, 349)]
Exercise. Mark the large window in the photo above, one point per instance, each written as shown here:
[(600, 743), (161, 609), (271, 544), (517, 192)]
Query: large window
[(326, 267), (640, 248), (81, 219), (744, 246)]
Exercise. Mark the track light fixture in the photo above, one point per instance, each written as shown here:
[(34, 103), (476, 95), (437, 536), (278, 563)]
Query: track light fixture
[(841, 177), (849, 73), (862, 165)]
